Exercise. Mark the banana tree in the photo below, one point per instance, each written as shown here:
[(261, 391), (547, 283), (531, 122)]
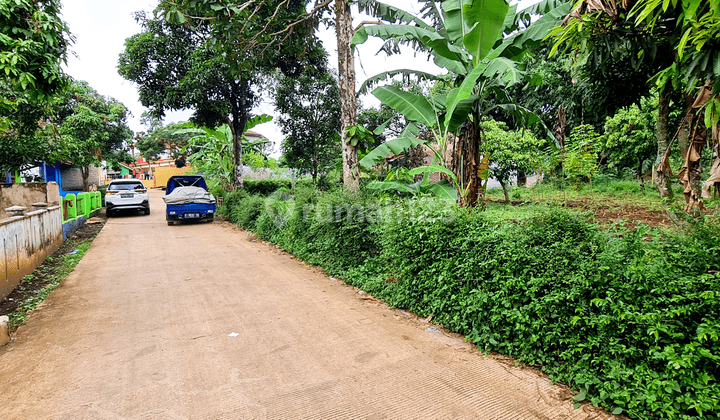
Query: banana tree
[(214, 150), (480, 43)]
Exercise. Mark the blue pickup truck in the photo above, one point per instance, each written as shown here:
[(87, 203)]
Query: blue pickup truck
[(187, 198)]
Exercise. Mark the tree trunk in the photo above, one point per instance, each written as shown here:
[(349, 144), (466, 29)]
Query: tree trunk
[(640, 175), (560, 124), (559, 128), (662, 168), (85, 175), (505, 190), (695, 139), (684, 139), (240, 110), (315, 162), (465, 163), (348, 115)]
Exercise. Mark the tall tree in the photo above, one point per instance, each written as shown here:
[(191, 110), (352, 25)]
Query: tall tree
[(692, 28), (262, 25), (93, 128), (245, 41), (348, 111), (175, 68), (309, 108)]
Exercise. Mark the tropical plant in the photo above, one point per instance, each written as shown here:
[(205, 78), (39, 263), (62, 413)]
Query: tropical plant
[(28, 137), (677, 40), (214, 150), (580, 156), (466, 38), (693, 27), (34, 43)]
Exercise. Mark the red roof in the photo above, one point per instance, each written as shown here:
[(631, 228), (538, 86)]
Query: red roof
[(141, 161)]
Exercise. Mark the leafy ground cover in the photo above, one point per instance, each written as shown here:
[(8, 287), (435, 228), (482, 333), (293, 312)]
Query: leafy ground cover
[(627, 317), (47, 277)]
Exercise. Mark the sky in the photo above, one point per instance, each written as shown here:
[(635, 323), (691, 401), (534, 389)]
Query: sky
[(101, 27)]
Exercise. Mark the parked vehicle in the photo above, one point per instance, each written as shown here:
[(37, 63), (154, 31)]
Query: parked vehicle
[(126, 194), (187, 198)]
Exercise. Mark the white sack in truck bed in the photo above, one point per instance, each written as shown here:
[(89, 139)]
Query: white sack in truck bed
[(187, 195)]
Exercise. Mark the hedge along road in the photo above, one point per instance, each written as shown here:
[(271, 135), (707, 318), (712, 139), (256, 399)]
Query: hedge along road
[(141, 330)]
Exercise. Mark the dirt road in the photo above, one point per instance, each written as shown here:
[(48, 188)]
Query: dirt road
[(141, 330)]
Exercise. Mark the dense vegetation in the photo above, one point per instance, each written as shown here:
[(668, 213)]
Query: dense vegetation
[(628, 318)]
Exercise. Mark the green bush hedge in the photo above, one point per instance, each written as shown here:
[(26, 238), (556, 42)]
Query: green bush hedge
[(265, 186), (268, 186), (627, 318)]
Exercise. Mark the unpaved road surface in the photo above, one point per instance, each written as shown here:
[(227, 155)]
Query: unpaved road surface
[(140, 330)]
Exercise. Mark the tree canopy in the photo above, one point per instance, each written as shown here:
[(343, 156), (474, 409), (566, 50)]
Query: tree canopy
[(92, 127), (209, 57), (164, 139), (309, 107), (33, 44)]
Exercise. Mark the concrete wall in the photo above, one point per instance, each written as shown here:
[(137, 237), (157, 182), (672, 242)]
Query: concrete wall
[(72, 178), (25, 241), (26, 194), (69, 227)]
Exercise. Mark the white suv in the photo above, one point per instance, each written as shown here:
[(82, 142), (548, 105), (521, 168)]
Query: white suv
[(128, 194)]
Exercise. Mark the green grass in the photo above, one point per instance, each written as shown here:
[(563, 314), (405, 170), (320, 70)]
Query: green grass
[(603, 191)]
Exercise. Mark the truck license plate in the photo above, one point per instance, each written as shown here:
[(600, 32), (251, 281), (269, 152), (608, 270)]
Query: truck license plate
[(192, 215)]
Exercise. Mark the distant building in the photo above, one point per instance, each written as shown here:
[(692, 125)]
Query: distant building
[(143, 169)]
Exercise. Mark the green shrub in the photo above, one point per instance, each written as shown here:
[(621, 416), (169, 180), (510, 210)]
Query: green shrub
[(247, 214), (628, 318), (270, 185), (232, 200), (265, 186), (330, 230), (631, 323)]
